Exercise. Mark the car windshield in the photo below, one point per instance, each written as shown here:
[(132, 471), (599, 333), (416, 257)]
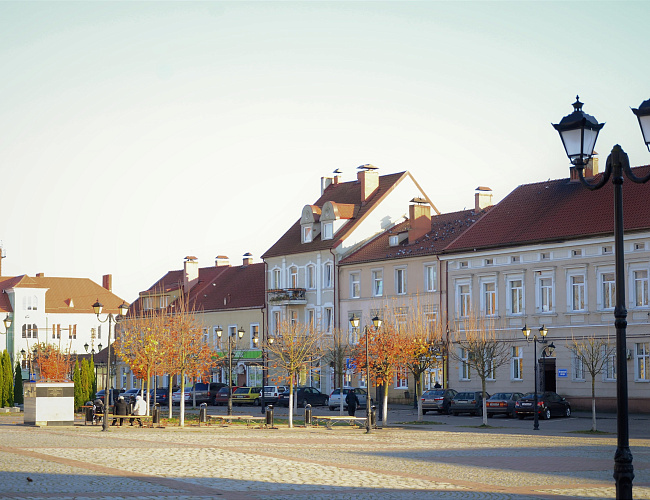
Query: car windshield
[(242, 390), (531, 395), (434, 393), (502, 395)]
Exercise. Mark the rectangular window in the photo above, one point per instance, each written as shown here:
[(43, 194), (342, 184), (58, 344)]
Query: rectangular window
[(378, 283), (517, 364), (277, 320), (163, 302), (607, 250), (577, 293), (293, 317), (328, 230), (430, 278), (255, 333), (489, 298), (328, 274), (355, 285), (642, 365), (311, 316), (277, 282), (306, 234), (641, 288), (463, 300), (609, 290), (400, 281), (609, 366), (311, 277), (401, 378), (329, 317), (545, 294), (72, 331), (293, 277), (99, 332), (578, 367), (206, 336), (464, 365), (516, 296)]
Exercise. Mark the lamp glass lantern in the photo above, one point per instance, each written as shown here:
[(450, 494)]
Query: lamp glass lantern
[(7, 322), (579, 132), (643, 115), (98, 307)]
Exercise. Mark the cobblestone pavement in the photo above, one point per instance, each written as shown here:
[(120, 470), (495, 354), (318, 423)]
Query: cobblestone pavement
[(453, 460)]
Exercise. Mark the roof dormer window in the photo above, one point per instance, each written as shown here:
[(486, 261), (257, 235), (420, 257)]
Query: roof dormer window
[(393, 240), (307, 234), (328, 230)]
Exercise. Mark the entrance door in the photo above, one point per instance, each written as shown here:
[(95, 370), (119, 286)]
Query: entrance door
[(548, 374)]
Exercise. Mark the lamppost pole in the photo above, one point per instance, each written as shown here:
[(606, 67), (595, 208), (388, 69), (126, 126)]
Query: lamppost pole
[(542, 332), (123, 309), (579, 132), (238, 335), (354, 321)]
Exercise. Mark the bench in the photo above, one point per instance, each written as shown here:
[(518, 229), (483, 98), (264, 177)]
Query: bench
[(249, 419), (147, 420), (329, 420)]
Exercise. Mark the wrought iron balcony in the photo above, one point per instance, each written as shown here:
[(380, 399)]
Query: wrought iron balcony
[(288, 296)]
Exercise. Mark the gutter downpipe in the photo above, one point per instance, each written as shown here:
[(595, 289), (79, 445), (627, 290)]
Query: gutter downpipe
[(336, 318)]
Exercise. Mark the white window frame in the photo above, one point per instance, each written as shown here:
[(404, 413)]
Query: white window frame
[(277, 321), (255, 328), (463, 298), (639, 287), (328, 319), (307, 232), (293, 277), (327, 230), (609, 365), (545, 292), (276, 278), (401, 377), (464, 369), (577, 368), (311, 318), (642, 362), (430, 277), (607, 289), (328, 275), (355, 285), (517, 363), (401, 280), (574, 286), (521, 296), (377, 282), (489, 297), (311, 277)]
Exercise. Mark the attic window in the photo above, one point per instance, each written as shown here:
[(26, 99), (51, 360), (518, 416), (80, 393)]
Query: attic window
[(576, 253), (463, 264), (545, 256), (328, 230), (639, 247), (306, 234), (515, 258), (607, 250), (489, 262), (393, 240)]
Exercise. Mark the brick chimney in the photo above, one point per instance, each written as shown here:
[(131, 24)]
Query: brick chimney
[(248, 259), (369, 179), (591, 169), (482, 198), (191, 273), (107, 281), (221, 260), (419, 220), (326, 181)]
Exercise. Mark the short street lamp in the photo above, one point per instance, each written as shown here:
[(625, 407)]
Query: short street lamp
[(232, 342), (7, 322), (123, 309), (542, 332), (579, 132), (354, 321)]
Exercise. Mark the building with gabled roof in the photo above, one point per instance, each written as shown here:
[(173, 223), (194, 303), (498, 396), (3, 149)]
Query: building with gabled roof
[(230, 297), (53, 310), (544, 256), (303, 265)]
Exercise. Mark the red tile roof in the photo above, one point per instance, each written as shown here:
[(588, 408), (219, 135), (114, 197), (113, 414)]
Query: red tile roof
[(557, 210), (444, 229), (81, 293), (218, 288), (344, 193)]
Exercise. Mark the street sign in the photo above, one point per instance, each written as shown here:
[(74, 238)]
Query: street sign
[(562, 372), (350, 364)]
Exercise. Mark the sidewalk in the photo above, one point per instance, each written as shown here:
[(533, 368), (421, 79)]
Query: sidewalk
[(451, 460)]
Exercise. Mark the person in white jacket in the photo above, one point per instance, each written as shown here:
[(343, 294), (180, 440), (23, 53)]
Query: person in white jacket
[(140, 408)]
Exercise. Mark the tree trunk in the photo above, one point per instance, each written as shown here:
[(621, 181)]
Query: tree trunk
[(181, 406), (593, 405), (484, 402), (341, 392), (385, 407), (291, 405), (418, 395), (169, 395)]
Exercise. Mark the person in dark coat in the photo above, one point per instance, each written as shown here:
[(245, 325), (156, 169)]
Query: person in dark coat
[(121, 408), (98, 410), (352, 401)]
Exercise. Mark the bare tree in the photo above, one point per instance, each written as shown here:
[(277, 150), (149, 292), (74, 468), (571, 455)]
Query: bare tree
[(295, 348), (594, 353), (481, 350)]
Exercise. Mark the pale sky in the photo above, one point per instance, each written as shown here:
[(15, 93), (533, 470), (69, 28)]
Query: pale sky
[(134, 134)]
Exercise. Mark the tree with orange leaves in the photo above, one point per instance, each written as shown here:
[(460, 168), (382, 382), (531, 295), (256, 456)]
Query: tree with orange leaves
[(54, 364), (184, 348)]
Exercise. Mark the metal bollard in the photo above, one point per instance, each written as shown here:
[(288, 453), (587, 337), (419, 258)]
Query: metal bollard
[(156, 413), (203, 413), (269, 416), (307, 415), (373, 417)]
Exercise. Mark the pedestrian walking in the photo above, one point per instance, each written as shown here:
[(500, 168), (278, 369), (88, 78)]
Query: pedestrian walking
[(140, 408), (121, 408), (352, 401)]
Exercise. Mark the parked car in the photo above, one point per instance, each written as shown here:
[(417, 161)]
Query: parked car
[(549, 404), (129, 395), (272, 392), (502, 403), (335, 397), (161, 396), (221, 396), (114, 394), (437, 400), (303, 396), (468, 402), (247, 396), (200, 392)]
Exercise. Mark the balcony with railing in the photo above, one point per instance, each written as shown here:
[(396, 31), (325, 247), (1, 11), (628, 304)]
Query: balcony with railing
[(288, 296)]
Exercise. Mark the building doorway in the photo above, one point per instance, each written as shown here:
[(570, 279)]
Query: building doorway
[(547, 374)]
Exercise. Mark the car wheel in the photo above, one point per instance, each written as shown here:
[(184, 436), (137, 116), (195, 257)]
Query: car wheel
[(304, 403), (256, 402), (567, 412), (547, 414), (424, 412), (513, 414)]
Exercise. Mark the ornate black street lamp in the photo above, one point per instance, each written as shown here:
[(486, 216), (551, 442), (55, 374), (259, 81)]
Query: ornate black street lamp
[(542, 333), (122, 309), (354, 321), (579, 132), (232, 342)]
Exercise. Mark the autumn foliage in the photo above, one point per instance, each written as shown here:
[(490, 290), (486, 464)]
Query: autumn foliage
[(54, 365)]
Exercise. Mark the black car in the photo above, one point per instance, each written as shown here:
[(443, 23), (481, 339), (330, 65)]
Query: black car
[(549, 404), (113, 395), (437, 400), (303, 396), (162, 396), (502, 403)]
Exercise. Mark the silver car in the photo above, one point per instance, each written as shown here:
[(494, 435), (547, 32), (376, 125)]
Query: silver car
[(335, 397)]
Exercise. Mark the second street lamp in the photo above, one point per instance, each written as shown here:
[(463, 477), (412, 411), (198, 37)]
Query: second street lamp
[(232, 339), (354, 321), (542, 333)]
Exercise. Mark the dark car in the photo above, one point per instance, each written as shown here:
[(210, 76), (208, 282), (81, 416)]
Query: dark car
[(502, 403), (162, 396), (129, 396), (437, 400), (303, 396), (468, 402), (549, 404), (113, 397), (221, 396)]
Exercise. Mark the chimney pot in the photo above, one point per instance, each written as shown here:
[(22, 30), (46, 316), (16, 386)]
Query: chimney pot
[(248, 259), (482, 198), (107, 282)]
